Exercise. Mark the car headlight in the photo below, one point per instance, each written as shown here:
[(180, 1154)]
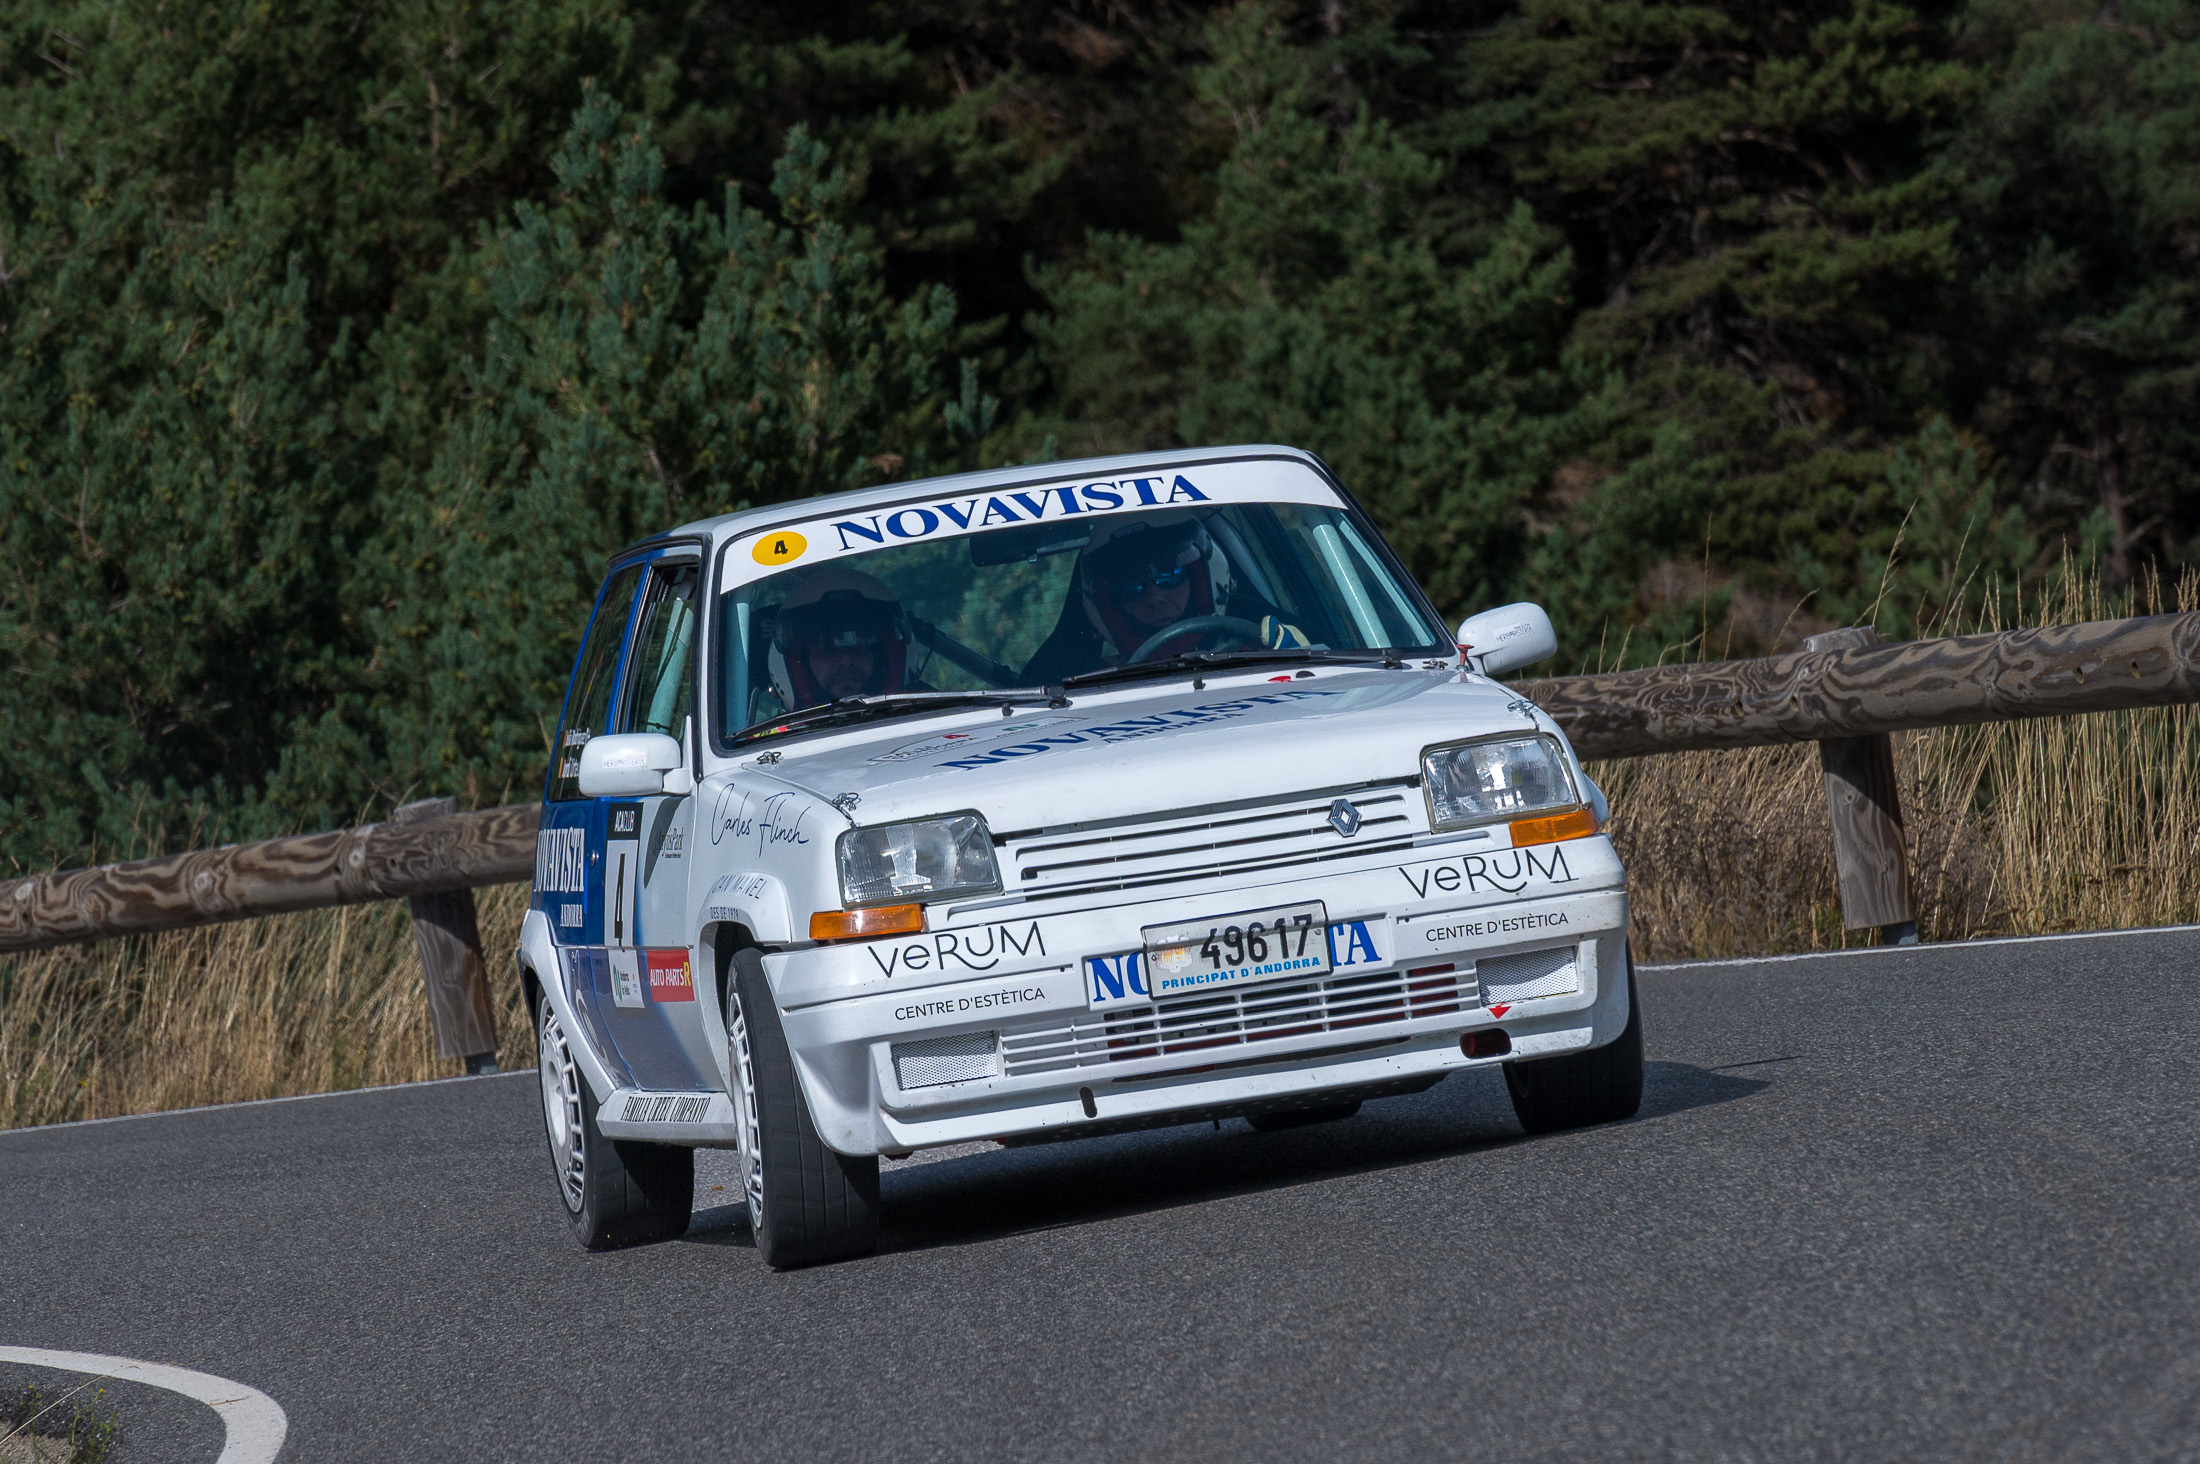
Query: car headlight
[(1505, 778), (927, 860)]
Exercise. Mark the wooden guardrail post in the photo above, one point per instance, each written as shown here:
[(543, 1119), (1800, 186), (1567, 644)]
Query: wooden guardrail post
[(448, 937), (1870, 853)]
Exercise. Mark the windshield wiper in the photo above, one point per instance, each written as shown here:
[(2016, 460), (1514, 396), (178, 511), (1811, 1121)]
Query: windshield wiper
[(885, 704), (1196, 661)]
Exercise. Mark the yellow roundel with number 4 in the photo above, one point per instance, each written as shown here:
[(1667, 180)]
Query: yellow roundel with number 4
[(781, 548)]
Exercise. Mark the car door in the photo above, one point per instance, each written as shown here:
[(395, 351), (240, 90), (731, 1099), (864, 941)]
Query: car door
[(570, 880), (647, 853)]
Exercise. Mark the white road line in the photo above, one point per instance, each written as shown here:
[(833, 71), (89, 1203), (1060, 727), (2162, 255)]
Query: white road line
[(47, 1128), (254, 1423), (1923, 948)]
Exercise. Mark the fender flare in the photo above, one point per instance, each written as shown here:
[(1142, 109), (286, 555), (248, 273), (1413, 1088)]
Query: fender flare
[(538, 954)]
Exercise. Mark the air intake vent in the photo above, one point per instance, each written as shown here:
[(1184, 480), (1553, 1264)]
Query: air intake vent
[(963, 1058), (1507, 979)]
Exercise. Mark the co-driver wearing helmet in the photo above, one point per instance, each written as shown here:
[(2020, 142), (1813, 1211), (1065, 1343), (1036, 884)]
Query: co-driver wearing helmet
[(841, 633)]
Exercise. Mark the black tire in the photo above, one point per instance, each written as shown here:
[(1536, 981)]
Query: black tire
[(807, 1204), (615, 1192), (1290, 1118), (1602, 1085)]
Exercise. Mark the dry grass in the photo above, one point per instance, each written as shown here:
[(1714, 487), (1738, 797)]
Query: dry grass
[(2073, 824), (303, 1003), (2021, 828)]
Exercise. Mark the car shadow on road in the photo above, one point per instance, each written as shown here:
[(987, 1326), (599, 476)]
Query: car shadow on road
[(1000, 1192)]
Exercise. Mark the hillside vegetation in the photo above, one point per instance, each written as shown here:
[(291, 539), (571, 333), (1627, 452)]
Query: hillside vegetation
[(342, 342)]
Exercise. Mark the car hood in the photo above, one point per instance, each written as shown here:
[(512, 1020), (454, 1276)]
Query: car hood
[(1121, 754)]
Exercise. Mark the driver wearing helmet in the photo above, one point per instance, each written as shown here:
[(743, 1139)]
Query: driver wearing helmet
[(841, 633), (1132, 582)]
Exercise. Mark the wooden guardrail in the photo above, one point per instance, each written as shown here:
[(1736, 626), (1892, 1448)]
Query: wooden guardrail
[(427, 852), (1838, 691), (1843, 691)]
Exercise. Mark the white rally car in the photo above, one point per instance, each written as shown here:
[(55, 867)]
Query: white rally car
[(1041, 803)]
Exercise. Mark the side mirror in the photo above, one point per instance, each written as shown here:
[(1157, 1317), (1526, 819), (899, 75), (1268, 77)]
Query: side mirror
[(1500, 640), (629, 764)]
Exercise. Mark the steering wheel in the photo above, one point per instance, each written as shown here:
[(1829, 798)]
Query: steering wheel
[(1246, 632)]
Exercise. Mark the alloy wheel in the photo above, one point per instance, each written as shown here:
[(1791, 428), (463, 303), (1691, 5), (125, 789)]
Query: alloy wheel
[(561, 1111)]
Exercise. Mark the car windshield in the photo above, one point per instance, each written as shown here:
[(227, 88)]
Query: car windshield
[(1033, 604)]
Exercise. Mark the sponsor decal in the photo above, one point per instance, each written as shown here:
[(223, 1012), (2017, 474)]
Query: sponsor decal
[(1132, 728), (626, 976), (783, 547), (774, 820), (978, 949), (1116, 978), (1507, 872), (570, 916), (626, 819), (675, 843), (561, 861), (1024, 507), (671, 978), (859, 531), (946, 740), (955, 1006), (1352, 943), (745, 886), (1446, 935)]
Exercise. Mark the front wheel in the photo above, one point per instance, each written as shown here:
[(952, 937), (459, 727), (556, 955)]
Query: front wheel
[(615, 1193), (1602, 1085), (807, 1204)]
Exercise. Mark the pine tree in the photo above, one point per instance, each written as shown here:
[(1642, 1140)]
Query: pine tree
[(2080, 336), (647, 365), (1310, 305)]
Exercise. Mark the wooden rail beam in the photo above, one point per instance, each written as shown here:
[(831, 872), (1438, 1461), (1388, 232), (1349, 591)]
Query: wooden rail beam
[(385, 861), (1807, 696)]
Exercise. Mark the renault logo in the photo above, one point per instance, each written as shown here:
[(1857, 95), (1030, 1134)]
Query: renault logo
[(1344, 818)]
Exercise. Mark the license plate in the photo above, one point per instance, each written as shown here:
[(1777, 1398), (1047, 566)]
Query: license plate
[(1234, 950)]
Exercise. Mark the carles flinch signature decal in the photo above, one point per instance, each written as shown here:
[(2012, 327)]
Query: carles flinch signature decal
[(771, 822)]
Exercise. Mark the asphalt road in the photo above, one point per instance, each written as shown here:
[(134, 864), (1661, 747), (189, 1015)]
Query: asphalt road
[(1929, 1204)]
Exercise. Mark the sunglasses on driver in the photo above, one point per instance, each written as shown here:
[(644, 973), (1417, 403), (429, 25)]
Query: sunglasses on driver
[(1166, 579)]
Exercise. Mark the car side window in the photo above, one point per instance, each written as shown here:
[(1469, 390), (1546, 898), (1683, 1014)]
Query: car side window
[(588, 700), (661, 689)]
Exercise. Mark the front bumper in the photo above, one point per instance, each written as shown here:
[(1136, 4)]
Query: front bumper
[(1420, 961)]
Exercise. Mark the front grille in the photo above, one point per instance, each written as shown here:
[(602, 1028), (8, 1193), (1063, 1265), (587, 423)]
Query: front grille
[(1293, 831), (1247, 1016), (963, 1058)]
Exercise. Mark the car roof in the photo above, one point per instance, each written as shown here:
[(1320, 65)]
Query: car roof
[(729, 525)]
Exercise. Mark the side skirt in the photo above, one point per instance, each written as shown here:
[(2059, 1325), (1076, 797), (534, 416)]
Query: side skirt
[(701, 1120)]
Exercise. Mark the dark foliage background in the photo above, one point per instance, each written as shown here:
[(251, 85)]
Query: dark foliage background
[(340, 342)]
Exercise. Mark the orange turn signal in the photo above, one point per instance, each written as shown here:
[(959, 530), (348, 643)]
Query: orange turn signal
[(1576, 825), (859, 924)]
